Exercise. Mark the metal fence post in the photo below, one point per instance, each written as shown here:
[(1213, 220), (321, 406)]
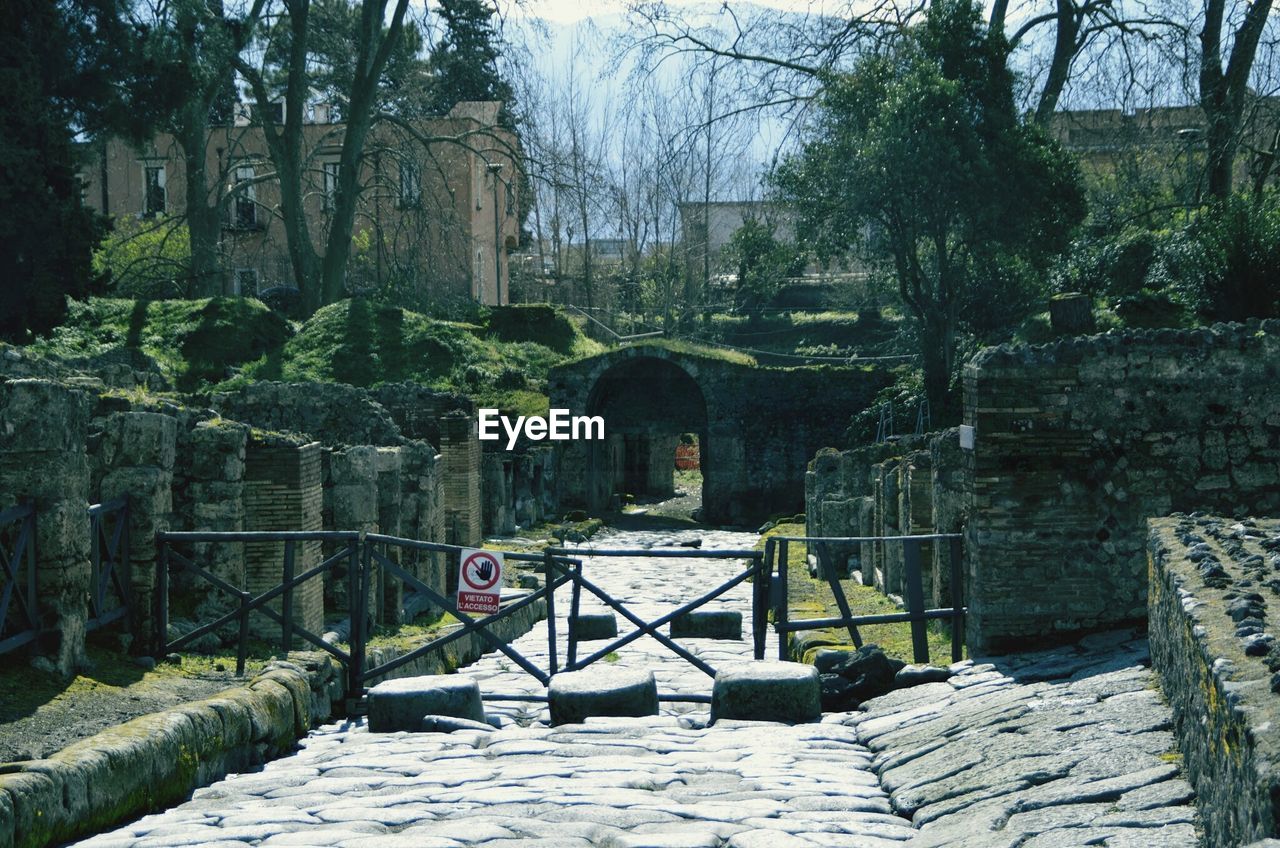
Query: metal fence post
[(780, 614), (126, 564), (550, 565), (575, 598), (242, 647), (162, 599), (355, 669), (915, 600), (286, 602), (957, 599), (760, 598)]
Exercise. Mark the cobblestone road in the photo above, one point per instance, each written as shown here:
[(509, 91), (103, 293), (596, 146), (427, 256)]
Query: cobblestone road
[(670, 782)]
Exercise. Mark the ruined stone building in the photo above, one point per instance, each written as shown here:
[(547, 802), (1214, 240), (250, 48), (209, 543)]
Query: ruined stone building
[(437, 212)]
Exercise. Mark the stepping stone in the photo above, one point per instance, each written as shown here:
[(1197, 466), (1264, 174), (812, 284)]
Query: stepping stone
[(396, 705), (577, 695), (767, 691), (708, 624), (589, 627)]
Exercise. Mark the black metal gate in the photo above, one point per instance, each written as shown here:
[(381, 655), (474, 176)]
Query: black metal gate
[(370, 558)]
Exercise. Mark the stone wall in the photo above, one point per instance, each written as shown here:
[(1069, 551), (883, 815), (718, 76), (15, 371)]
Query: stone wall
[(43, 429), (1078, 443), (334, 413), (886, 489), (1213, 587)]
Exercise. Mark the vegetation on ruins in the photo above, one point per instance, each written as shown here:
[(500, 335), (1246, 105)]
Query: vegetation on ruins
[(501, 359)]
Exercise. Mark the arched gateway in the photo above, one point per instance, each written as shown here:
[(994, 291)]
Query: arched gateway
[(757, 427)]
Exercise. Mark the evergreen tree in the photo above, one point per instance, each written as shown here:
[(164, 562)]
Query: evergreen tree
[(46, 232), (464, 63)]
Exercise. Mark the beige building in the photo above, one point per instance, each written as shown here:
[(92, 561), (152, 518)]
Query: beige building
[(1167, 141), (437, 212)]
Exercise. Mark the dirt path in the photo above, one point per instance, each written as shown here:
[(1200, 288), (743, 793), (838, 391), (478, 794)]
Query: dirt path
[(40, 713)]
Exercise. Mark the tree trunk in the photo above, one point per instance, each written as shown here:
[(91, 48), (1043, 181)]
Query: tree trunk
[(204, 223)]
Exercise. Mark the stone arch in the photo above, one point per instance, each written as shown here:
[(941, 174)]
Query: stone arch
[(647, 402)]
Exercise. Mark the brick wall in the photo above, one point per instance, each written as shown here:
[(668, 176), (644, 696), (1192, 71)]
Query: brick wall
[(282, 491)]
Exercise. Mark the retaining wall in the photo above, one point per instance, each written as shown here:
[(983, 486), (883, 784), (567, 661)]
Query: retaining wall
[(1211, 581)]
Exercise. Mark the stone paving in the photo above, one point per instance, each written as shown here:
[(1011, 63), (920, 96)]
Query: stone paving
[(1044, 750), (994, 757)]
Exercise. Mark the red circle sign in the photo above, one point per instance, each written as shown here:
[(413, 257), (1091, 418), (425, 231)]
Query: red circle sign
[(481, 571)]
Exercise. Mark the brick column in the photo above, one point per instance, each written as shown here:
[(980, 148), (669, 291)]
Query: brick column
[(43, 427), (461, 451), (282, 491)]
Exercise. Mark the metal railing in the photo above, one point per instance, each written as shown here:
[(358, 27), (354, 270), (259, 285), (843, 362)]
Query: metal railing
[(370, 563), (109, 564), (916, 614), (19, 614)]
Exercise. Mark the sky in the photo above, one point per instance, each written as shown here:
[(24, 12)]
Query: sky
[(568, 11)]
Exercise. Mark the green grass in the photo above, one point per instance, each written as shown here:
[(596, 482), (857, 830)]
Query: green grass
[(695, 349), (194, 342), (828, 333), (809, 598), (502, 362)]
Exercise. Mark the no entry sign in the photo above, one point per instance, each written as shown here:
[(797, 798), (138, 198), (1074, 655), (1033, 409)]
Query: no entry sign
[(479, 581)]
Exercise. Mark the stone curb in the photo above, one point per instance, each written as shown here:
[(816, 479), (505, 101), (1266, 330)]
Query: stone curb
[(154, 760)]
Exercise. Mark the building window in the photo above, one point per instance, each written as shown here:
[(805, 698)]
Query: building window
[(410, 184), (245, 213), (331, 185), (245, 281), (478, 186), (154, 195)]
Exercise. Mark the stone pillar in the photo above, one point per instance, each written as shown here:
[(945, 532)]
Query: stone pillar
[(422, 513), (496, 489), (387, 466), (889, 555), (43, 427), (282, 491), (353, 494), (661, 468), (915, 510), (460, 448), (137, 454), (948, 470), (216, 494)]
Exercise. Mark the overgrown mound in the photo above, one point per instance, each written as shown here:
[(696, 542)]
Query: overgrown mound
[(365, 344), (539, 323), (194, 342)]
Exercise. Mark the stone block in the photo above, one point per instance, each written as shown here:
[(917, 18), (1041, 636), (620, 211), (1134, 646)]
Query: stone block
[(591, 626), (601, 691), (140, 438), (396, 705), (767, 691), (708, 624)]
